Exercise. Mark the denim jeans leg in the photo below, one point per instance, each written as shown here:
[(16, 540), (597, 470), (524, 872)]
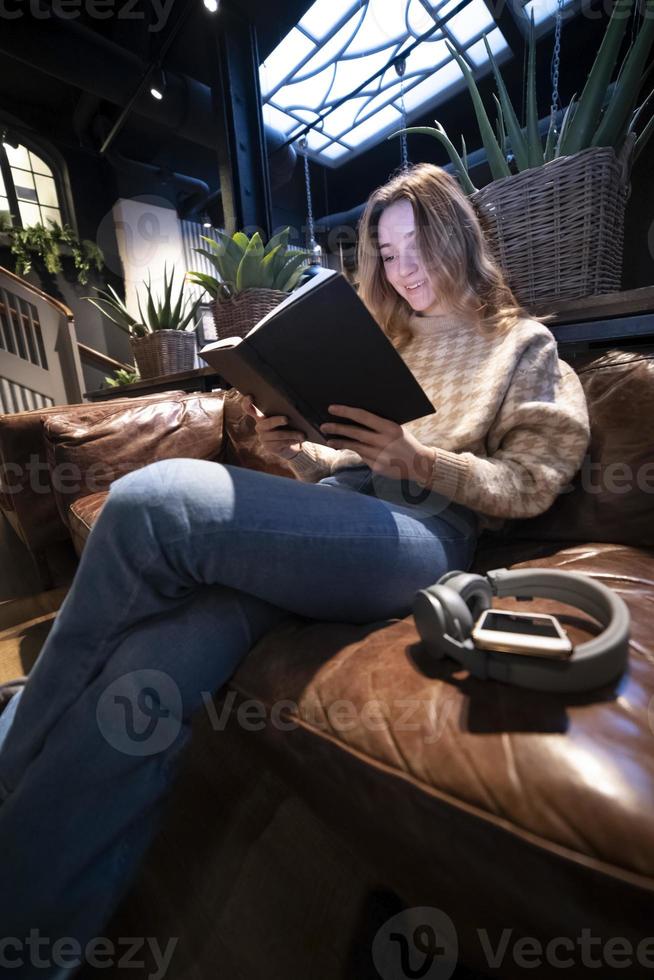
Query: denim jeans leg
[(188, 564)]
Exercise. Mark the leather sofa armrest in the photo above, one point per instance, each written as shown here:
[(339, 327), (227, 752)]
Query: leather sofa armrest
[(87, 452), (25, 489)]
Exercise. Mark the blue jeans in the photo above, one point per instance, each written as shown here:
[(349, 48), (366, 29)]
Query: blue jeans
[(189, 563)]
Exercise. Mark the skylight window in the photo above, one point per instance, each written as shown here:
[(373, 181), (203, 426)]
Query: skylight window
[(340, 44)]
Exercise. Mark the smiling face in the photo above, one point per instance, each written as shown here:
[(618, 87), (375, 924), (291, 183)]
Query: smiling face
[(401, 260)]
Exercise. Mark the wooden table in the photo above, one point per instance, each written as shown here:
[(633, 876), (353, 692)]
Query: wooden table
[(198, 379)]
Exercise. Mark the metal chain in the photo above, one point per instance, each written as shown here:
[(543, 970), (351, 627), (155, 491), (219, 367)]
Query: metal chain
[(556, 58), (307, 184), (400, 68)]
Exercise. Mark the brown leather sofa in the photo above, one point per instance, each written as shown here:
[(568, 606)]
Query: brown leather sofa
[(352, 778)]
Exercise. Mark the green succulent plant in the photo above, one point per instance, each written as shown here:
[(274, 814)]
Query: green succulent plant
[(123, 376), (172, 312), (245, 263), (604, 115)]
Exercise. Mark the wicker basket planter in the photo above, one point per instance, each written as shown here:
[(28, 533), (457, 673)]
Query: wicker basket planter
[(236, 316), (557, 230), (164, 352)]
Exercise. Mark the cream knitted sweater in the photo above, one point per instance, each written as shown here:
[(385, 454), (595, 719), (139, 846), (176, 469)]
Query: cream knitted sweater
[(511, 423)]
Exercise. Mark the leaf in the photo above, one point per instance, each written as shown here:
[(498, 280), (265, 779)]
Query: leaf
[(248, 274), (534, 146), (498, 165), (242, 240), (514, 130), (439, 133), (615, 119), (567, 117), (594, 91), (268, 265), (290, 267), (281, 238)]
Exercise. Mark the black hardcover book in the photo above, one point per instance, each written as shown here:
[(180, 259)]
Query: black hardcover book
[(319, 347)]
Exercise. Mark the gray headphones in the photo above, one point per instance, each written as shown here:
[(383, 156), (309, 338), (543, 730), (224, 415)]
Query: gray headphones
[(445, 614)]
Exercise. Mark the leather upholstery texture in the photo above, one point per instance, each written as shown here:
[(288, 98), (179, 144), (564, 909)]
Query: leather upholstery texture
[(25, 484), (88, 451)]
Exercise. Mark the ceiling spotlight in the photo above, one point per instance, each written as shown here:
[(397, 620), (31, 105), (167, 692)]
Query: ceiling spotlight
[(158, 83), (206, 220), (211, 5)]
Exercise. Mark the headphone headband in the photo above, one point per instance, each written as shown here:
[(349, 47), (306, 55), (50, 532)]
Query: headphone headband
[(592, 664)]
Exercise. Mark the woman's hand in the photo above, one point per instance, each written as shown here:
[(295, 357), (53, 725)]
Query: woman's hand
[(383, 445), (286, 444)]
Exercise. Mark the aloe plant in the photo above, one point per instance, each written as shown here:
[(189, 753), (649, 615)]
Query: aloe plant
[(602, 116), (246, 263), (171, 312)]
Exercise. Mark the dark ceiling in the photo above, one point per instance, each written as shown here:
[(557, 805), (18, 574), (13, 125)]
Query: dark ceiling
[(50, 106)]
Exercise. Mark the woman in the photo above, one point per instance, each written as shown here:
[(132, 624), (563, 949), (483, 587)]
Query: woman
[(190, 562)]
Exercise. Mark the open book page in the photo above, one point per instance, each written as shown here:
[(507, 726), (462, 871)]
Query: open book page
[(293, 297)]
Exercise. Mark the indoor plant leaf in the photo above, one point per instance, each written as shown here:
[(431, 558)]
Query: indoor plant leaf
[(534, 146), (592, 97), (498, 165), (439, 133), (514, 130), (615, 119), (248, 274)]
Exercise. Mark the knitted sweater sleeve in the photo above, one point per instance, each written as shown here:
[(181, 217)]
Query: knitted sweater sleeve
[(314, 461), (534, 447)]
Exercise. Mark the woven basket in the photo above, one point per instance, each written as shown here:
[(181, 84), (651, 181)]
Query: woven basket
[(557, 230), (236, 316), (164, 352)]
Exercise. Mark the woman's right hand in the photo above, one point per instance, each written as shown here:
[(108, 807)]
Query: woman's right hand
[(286, 444)]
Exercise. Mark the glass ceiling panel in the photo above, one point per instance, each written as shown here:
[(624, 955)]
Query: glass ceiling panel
[(321, 17), (339, 44), (383, 24)]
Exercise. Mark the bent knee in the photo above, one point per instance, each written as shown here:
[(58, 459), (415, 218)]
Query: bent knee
[(171, 493), (164, 477)]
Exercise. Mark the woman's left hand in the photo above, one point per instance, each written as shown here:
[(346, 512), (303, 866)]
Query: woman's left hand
[(383, 445)]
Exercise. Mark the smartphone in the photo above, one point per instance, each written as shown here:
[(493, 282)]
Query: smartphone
[(535, 634)]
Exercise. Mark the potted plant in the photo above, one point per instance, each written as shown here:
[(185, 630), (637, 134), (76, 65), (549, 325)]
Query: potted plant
[(162, 338), (50, 244), (554, 213), (254, 278)]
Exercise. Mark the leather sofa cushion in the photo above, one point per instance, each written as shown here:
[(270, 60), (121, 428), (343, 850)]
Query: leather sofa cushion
[(506, 807), (612, 496), (88, 451), (24, 475)]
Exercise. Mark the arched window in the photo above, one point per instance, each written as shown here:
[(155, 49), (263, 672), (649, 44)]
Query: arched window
[(28, 189)]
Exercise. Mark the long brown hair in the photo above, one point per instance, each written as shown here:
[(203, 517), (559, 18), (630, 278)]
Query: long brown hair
[(451, 244)]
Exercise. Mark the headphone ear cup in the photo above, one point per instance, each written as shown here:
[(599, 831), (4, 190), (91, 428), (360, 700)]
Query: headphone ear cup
[(475, 590), (439, 613)]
